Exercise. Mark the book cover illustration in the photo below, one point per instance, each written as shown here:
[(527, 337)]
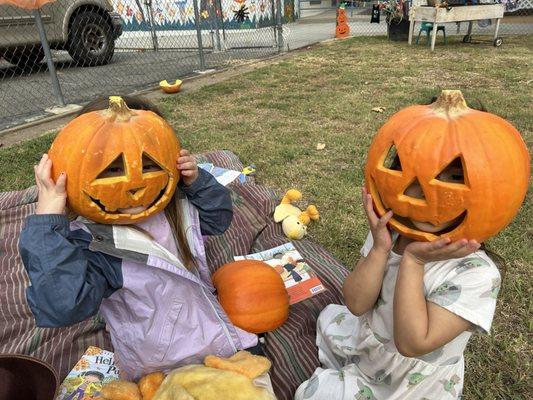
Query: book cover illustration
[(95, 368), (300, 280)]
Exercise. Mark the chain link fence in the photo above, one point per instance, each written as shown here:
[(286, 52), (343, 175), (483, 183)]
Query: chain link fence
[(121, 46), (102, 46), (366, 19)]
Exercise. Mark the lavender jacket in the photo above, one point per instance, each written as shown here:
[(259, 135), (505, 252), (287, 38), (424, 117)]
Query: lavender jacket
[(159, 314)]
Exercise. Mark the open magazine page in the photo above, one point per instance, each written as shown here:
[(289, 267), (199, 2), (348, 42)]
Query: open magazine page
[(300, 280)]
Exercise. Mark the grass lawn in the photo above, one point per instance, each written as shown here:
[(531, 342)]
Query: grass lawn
[(275, 116)]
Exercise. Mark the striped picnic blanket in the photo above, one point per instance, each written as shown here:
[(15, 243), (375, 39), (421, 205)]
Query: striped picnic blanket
[(291, 347)]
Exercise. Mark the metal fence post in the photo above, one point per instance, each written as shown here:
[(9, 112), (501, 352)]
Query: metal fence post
[(153, 33), (279, 25), (274, 22), (48, 55), (199, 34), (218, 3), (217, 28)]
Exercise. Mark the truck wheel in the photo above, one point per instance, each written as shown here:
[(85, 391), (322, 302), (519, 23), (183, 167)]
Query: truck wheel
[(91, 39), (28, 58)]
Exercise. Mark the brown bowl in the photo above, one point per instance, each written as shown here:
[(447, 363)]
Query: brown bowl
[(26, 378)]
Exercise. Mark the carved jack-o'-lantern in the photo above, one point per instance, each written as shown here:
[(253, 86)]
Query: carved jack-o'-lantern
[(447, 170), (120, 163)]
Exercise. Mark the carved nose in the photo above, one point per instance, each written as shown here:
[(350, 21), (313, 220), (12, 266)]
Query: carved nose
[(415, 190), (137, 192)]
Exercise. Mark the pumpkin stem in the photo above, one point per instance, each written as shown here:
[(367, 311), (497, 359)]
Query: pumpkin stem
[(118, 109), (451, 103)]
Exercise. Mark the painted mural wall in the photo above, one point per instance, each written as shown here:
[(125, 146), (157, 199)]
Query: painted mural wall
[(179, 14)]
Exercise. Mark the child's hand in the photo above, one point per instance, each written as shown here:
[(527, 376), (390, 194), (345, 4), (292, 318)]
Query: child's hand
[(440, 249), (52, 196), (187, 167), (378, 226)]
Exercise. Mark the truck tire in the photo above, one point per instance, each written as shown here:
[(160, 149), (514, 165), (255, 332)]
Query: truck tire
[(27, 58), (91, 39)]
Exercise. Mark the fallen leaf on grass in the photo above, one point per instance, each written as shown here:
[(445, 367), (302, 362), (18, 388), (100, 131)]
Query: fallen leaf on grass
[(378, 109), (321, 146)]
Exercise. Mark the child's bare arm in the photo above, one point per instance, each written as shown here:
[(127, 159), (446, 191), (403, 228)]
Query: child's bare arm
[(362, 287), (421, 327)]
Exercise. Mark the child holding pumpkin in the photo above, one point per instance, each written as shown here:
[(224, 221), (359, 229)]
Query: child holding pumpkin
[(137, 255), (416, 295)]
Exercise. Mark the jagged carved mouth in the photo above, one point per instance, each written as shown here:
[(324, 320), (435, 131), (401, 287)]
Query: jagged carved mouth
[(102, 207), (408, 223), (450, 225)]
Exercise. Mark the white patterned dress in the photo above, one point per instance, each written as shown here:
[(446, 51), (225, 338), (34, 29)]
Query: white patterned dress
[(358, 355)]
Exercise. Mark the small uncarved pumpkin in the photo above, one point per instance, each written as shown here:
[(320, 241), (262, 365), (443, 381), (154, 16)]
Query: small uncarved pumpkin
[(470, 170), (139, 143), (253, 295)]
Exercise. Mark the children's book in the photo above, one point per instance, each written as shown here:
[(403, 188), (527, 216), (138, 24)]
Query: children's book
[(300, 280), (222, 175), (95, 368)]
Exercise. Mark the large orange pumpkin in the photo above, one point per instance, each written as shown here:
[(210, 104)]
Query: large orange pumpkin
[(469, 168), (139, 143), (253, 295)]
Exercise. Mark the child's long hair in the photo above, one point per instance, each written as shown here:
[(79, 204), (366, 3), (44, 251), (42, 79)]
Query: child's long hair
[(173, 211)]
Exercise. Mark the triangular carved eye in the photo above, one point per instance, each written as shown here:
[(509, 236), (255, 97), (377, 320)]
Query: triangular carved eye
[(116, 168), (454, 172), (149, 164), (392, 160)]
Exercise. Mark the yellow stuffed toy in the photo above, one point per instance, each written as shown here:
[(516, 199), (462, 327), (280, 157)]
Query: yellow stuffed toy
[(235, 378), (293, 220)]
